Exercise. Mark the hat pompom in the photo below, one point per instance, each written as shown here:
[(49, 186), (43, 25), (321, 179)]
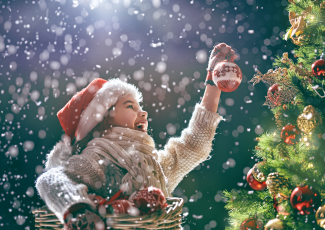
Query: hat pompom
[(58, 156)]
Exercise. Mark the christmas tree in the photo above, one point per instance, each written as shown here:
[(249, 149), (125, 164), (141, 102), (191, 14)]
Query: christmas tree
[(286, 187)]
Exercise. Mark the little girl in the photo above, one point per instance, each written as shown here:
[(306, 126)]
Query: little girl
[(112, 150)]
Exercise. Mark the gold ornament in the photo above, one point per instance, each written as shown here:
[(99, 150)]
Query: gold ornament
[(275, 224), (257, 174), (285, 58), (275, 182), (309, 120), (300, 40), (320, 217), (298, 25)]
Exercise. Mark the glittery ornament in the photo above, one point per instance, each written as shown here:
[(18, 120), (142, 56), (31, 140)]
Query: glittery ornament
[(305, 200), (278, 76), (280, 123), (251, 224), (275, 224), (289, 134), (299, 68), (275, 182), (257, 174), (318, 69), (273, 93), (320, 216), (148, 200), (227, 76), (254, 184), (309, 120)]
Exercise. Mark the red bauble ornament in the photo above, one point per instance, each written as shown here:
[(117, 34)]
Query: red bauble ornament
[(148, 200), (256, 185), (227, 76), (120, 207), (272, 93), (305, 200), (251, 224), (318, 69), (279, 206), (289, 134)]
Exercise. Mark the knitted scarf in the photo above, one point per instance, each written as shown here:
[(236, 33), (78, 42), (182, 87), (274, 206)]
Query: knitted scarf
[(134, 151)]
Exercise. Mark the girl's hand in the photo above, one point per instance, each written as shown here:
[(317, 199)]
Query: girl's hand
[(219, 53)]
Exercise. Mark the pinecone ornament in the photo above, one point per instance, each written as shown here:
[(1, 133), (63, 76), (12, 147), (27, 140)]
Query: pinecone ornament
[(275, 182)]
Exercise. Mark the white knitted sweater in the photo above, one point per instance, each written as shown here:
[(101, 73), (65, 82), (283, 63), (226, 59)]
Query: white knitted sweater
[(101, 167)]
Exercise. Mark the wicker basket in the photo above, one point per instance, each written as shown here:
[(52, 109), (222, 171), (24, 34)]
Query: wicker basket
[(168, 218)]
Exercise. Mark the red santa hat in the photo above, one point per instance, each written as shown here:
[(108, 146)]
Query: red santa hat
[(89, 106)]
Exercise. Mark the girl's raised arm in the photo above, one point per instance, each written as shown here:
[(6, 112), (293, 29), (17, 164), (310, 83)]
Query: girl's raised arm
[(211, 98), (182, 154)]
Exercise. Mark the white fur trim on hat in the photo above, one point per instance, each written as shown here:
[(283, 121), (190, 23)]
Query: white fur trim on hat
[(104, 99)]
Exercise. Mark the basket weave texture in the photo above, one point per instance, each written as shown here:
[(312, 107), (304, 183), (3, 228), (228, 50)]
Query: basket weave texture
[(168, 218)]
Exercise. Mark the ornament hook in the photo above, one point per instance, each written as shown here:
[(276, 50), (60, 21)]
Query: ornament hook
[(315, 88)]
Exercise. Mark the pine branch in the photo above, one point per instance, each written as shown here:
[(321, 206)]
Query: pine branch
[(301, 163), (243, 205)]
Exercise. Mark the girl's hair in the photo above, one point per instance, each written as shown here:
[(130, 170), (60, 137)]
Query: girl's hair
[(100, 129)]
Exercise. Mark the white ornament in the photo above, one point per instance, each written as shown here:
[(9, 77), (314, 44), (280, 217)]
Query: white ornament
[(275, 224), (227, 76)]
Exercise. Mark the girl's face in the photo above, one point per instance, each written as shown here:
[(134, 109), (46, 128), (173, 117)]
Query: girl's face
[(128, 113)]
